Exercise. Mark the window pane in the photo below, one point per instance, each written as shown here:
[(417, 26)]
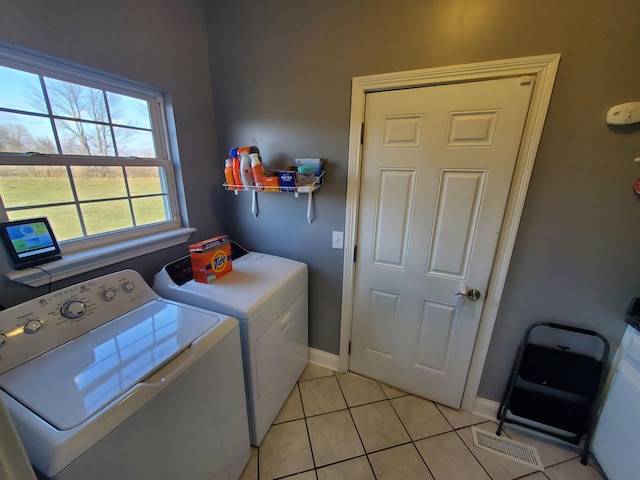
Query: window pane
[(128, 111), (85, 181), (134, 143), (26, 133), (150, 210), (98, 182), (145, 180), (75, 101), (21, 91), (102, 217), (81, 138), (25, 185), (64, 220)]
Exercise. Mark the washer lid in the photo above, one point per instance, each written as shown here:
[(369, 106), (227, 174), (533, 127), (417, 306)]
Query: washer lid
[(69, 384)]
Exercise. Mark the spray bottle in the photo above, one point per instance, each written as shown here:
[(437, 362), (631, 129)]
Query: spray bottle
[(237, 178), (245, 167), (228, 174), (258, 173)]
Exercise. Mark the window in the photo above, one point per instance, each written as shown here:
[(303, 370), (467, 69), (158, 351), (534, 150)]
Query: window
[(84, 149)]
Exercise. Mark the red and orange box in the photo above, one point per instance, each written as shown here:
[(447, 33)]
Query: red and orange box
[(271, 181), (211, 259)]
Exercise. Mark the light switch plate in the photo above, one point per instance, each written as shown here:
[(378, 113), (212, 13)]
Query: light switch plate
[(337, 240)]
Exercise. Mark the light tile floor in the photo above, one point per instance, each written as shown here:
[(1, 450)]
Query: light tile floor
[(342, 426)]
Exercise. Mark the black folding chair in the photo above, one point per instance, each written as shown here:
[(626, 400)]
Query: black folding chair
[(554, 386)]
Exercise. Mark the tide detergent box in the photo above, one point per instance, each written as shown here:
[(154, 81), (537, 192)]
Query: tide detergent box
[(210, 259)]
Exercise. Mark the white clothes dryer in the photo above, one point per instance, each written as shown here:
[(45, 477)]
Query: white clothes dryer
[(107, 380), (268, 295)]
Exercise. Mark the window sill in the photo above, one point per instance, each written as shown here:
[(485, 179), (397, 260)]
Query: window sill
[(87, 260)]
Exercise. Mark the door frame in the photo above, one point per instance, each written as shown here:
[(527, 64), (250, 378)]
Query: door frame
[(544, 69)]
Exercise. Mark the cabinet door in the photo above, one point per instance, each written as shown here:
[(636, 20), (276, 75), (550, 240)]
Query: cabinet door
[(617, 436)]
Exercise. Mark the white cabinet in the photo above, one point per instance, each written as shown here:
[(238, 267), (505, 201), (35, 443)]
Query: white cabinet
[(617, 436)]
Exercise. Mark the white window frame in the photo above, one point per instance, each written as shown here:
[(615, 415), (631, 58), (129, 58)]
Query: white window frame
[(86, 254)]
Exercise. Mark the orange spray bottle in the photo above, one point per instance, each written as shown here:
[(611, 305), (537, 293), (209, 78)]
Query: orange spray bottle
[(228, 174), (237, 178)]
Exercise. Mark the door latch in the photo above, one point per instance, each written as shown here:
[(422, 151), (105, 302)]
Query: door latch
[(471, 294)]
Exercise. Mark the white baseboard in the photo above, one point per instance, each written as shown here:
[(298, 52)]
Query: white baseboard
[(486, 408), (323, 359)]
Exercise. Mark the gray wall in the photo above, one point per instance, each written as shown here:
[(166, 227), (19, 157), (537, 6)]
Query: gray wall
[(281, 74), (161, 43)]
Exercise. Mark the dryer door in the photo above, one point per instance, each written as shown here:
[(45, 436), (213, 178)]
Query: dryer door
[(281, 354)]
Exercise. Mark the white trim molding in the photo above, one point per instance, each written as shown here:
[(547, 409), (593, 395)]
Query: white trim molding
[(87, 260), (486, 408), (323, 359), (543, 68)]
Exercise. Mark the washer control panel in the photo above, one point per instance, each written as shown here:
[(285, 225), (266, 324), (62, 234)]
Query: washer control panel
[(43, 323)]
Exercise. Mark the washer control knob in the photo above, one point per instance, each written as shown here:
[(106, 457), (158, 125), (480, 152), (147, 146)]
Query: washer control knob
[(32, 326), (3, 339), (73, 309), (128, 287), (108, 295)]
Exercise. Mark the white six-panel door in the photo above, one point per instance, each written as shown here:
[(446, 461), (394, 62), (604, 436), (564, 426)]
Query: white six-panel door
[(436, 172)]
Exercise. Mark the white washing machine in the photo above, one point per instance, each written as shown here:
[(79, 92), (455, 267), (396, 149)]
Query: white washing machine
[(107, 380), (268, 295)]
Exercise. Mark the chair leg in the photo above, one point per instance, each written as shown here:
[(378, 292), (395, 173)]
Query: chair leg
[(585, 456), (587, 445), (513, 377)]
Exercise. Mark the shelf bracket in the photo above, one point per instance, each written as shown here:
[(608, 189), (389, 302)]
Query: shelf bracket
[(310, 207), (254, 203)]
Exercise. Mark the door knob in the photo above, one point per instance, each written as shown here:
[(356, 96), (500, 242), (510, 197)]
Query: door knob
[(471, 294)]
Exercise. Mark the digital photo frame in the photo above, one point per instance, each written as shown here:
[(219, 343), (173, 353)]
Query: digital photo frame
[(29, 242)]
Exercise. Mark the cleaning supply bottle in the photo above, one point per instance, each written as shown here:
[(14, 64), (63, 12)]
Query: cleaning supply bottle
[(237, 178), (228, 174), (245, 167), (254, 149), (258, 172)]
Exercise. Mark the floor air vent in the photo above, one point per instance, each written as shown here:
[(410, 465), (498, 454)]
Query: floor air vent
[(505, 447)]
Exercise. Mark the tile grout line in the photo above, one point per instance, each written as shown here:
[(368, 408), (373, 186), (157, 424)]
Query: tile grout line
[(471, 452), (364, 449), (558, 444), (306, 426), (304, 415), (508, 436), (588, 465), (528, 475), (413, 442), (445, 417)]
